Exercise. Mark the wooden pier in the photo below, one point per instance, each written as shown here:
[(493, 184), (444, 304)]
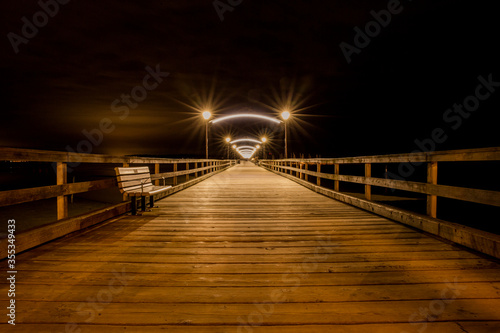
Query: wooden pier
[(247, 250)]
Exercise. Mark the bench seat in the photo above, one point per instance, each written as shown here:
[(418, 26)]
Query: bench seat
[(136, 182)]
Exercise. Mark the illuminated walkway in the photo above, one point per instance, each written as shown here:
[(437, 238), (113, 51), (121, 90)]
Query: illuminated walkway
[(250, 251)]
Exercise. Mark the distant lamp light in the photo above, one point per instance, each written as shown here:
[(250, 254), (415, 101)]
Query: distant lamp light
[(264, 139), (258, 146), (285, 115), (234, 146), (228, 139), (207, 115)]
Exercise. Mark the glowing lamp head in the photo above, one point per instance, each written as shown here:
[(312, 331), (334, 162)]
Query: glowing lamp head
[(206, 115), (228, 139), (258, 146), (234, 146), (263, 139), (285, 115)]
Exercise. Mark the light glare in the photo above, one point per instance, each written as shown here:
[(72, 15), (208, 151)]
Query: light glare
[(285, 115), (246, 115), (207, 115)]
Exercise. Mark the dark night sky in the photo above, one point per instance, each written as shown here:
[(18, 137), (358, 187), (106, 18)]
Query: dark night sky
[(64, 80)]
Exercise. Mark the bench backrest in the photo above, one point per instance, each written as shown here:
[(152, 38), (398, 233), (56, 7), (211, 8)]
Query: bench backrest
[(130, 179)]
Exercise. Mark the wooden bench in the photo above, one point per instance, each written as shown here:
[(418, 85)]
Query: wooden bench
[(136, 182)]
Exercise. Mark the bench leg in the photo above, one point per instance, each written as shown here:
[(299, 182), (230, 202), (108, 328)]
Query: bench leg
[(151, 201), (143, 203), (133, 202)]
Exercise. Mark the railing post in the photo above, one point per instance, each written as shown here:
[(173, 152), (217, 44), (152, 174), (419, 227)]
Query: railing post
[(336, 186), (318, 169), (196, 167), (368, 188), (157, 171), (125, 196), (187, 174), (174, 181), (306, 167), (62, 201), (432, 174)]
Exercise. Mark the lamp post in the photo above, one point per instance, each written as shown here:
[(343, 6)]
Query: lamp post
[(264, 140), (234, 154), (285, 115), (228, 139), (206, 116)]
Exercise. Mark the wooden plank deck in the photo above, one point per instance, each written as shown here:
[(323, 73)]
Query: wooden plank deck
[(250, 251)]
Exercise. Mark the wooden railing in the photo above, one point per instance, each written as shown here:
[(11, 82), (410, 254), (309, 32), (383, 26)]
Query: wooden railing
[(299, 169), (198, 169)]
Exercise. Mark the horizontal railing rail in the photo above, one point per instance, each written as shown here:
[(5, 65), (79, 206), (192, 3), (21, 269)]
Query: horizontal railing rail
[(65, 161), (299, 169)]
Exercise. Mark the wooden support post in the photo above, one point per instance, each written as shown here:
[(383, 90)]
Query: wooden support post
[(196, 167), (62, 201), (336, 183), (157, 171), (368, 188), (174, 182), (432, 174), (187, 168), (306, 167), (318, 169), (301, 173)]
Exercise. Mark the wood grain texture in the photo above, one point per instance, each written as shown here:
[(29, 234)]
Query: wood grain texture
[(249, 251)]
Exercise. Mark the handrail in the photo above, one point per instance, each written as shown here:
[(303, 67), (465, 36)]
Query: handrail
[(298, 170), (64, 161), (479, 154), (431, 188)]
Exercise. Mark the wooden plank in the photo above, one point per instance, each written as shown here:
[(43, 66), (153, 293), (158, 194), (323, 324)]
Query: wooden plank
[(301, 294), (409, 265), (432, 174), (157, 171), (249, 251), (430, 327), (318, 170), (400, 277), (132, 170), (31, 155), (174, 181), (282, 313), (62, 200), (368, 188), (481, 154), (336, 185)]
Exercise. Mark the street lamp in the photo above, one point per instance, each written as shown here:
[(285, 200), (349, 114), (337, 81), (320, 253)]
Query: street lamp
[(264, 140), (206, 116), (285, 115), (234, 155), (228, 139)]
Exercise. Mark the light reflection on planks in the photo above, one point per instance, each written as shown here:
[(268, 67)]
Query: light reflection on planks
[(247, 246)]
